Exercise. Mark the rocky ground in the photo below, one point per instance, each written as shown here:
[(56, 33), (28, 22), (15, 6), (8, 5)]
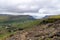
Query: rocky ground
[(48, 31)]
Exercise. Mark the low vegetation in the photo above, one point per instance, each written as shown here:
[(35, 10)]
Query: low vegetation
[(10, 25), (56, 17)]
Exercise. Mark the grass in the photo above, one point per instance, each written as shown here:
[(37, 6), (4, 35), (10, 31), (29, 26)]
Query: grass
[(22, 25), (56, 16), (4, 36)]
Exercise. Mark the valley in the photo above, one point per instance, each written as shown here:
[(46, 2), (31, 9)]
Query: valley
[(28, 28)]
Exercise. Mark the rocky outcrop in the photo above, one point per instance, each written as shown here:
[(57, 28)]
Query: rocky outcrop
[(49, 31)]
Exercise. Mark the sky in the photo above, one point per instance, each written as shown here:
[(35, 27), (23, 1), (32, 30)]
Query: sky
[(35, 8)]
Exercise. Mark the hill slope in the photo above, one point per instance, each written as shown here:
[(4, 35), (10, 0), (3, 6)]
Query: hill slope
[(47, 29), (9, 24), (8, 18)]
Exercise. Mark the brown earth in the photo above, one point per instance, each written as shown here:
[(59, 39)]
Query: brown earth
[(49, 31)]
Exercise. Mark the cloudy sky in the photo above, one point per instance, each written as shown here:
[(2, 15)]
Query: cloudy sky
[(35, 8)]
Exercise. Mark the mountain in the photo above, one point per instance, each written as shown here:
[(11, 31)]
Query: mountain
[(15, 18)]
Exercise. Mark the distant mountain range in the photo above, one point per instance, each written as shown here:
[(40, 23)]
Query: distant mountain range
[(15, 18), (25, 17)]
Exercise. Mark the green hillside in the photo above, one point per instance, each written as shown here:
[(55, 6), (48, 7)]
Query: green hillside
[(11, 24), (42, 29), (56, 16), (9, 19)]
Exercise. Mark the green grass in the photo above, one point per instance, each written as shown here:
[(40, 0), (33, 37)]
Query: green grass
[(4, 36), (56, 16), (50, 19), (15, 25)]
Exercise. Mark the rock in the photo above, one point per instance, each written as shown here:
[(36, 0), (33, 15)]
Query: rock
[(49, 31)]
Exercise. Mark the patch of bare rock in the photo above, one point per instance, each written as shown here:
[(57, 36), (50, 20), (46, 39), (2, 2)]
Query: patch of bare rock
[(49, 31)]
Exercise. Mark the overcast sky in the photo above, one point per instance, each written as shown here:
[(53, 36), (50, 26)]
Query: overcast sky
[(35, 8)]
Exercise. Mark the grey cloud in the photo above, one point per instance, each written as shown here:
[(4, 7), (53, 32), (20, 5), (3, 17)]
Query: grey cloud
[(31, 6)]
